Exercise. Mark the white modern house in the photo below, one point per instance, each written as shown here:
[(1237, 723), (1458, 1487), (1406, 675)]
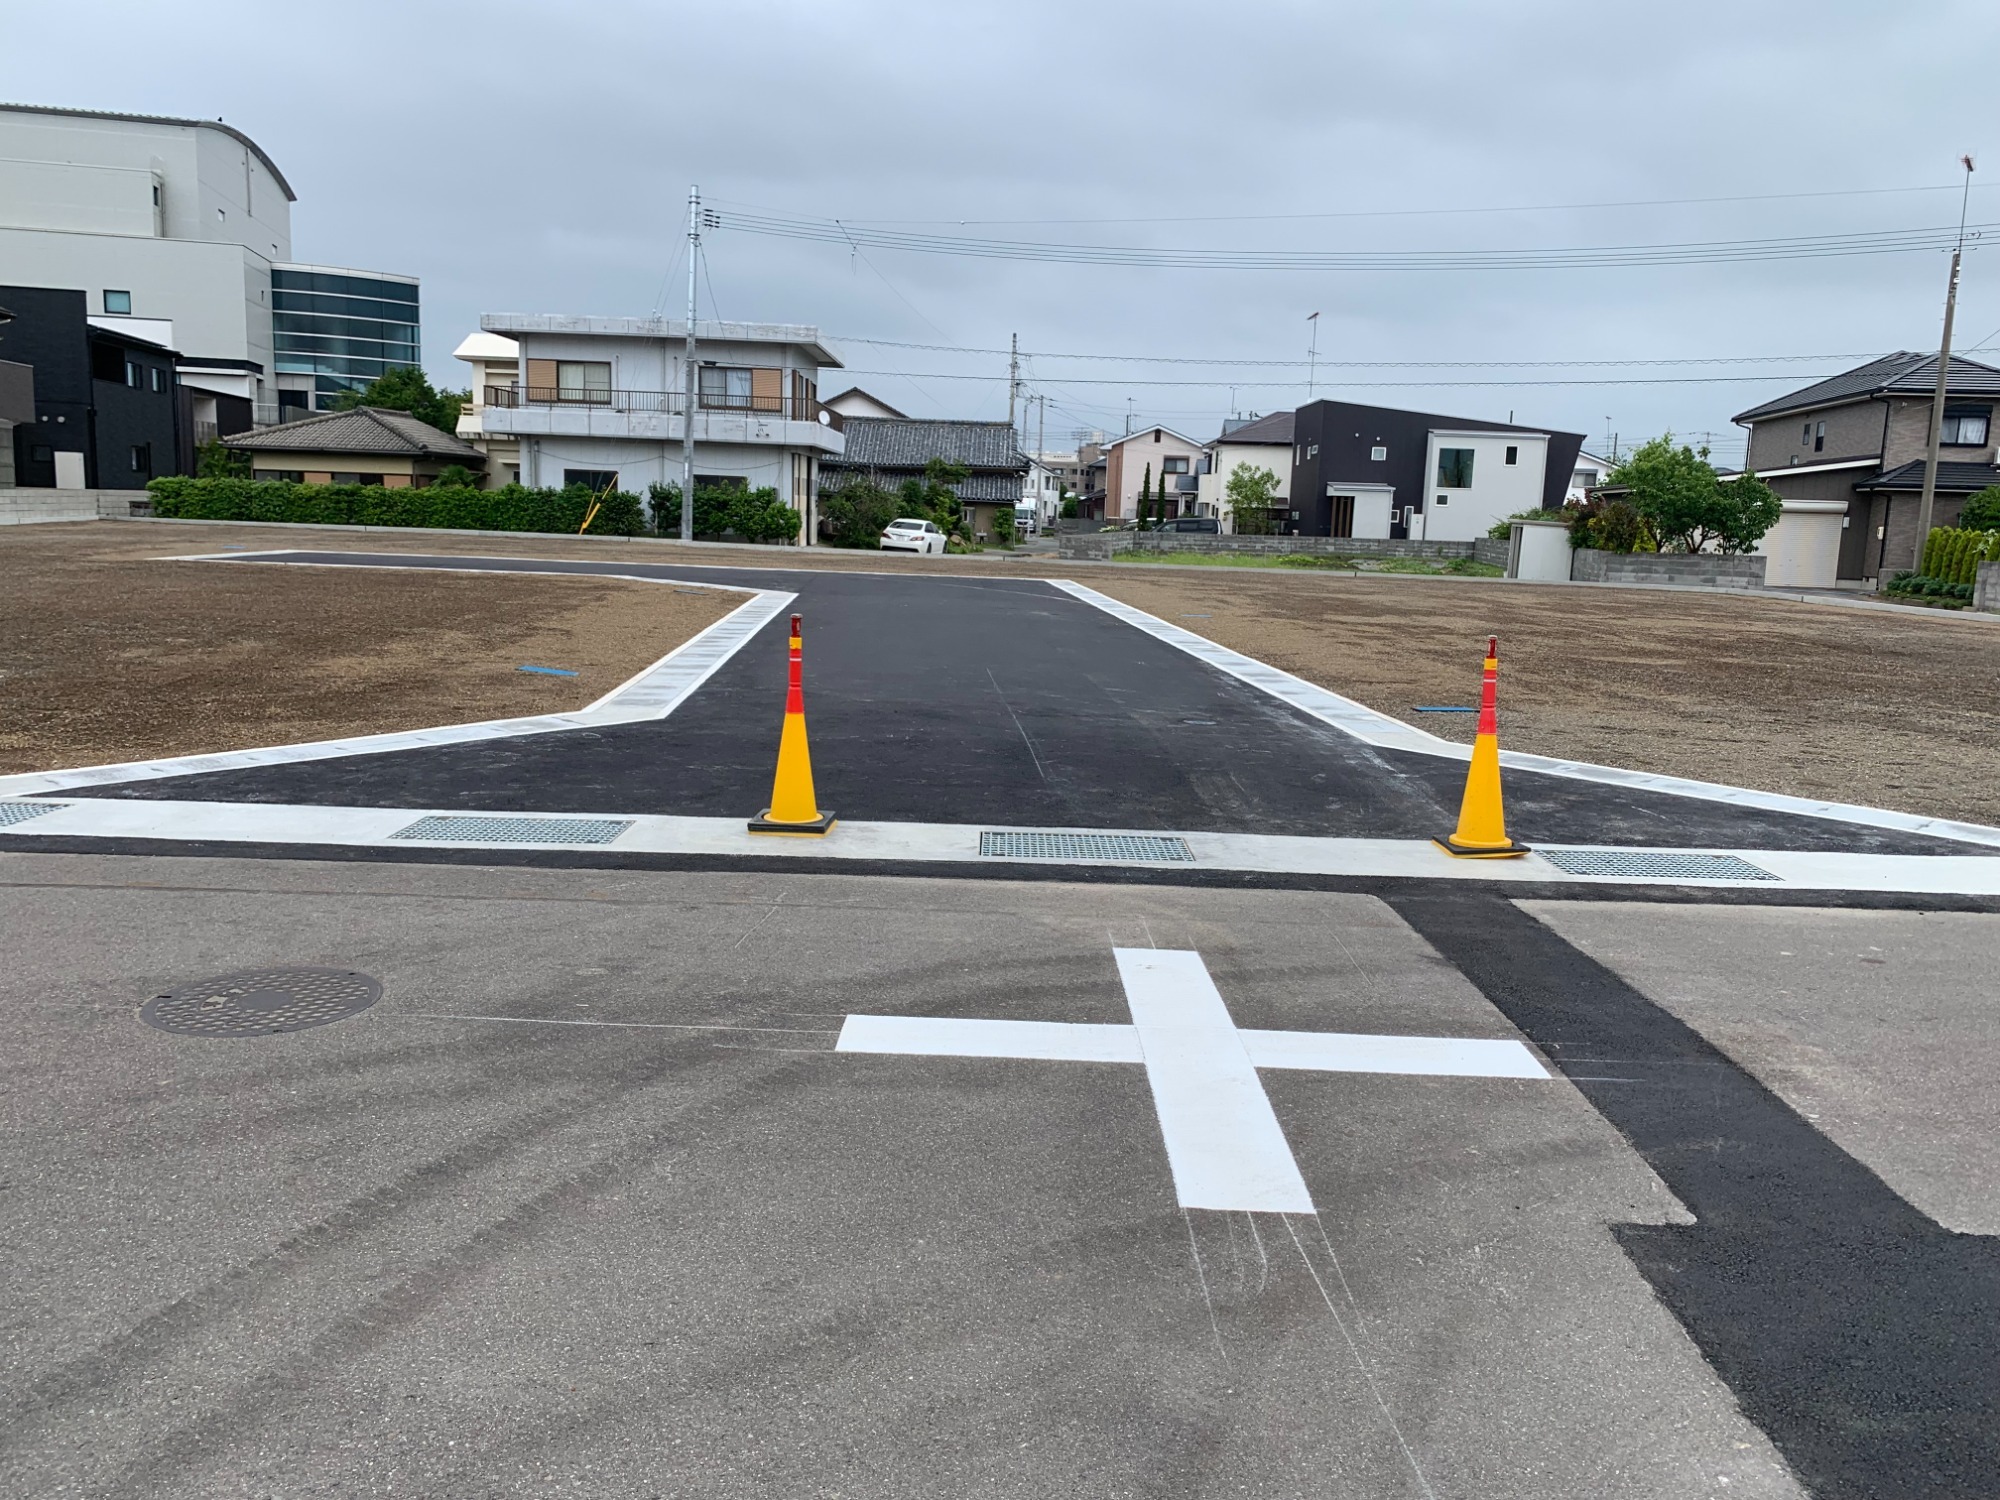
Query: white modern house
[(180, 232), (1258, 443), (602, 401)]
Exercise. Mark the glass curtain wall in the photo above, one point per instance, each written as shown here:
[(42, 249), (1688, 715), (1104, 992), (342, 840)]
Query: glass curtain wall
[(342, 328)]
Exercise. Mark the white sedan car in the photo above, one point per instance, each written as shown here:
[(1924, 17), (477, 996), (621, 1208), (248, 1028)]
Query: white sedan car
[(912, 536)]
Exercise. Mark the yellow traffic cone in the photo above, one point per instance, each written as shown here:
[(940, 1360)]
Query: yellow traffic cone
[(1482, 824), (793, 810)]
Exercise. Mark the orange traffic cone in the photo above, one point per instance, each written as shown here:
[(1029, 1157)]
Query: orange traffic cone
[(792, 808), (1482, 824)]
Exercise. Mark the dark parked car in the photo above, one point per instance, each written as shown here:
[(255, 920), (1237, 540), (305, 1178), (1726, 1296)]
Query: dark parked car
[(1206, 524)]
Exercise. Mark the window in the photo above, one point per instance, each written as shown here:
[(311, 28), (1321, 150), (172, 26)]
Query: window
[(134, 375), (290, 476), (374, 479), (726, 387), (597, 481), (116, 304), (142, 458), (156, 195), (1173, 466), (1806, 436), (1444, 499), (583, 380), (1819, 438), (1965, 426), (1156, 434), (1378, 454), (1455, 468), (1513, 454), (1312, 451), (159, 380)]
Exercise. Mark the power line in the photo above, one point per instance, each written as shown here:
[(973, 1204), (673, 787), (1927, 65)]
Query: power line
[(1708, 252), (1367, 384), (1411, 213), (1364, 364)]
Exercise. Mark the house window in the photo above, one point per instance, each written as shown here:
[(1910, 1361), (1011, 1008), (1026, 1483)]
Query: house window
[(1156, 434), (1965, 427), (583, 380), (117, 304), (1805, 437), (597, 481), (290, 476), (1455, 468), (1378, 454), (1312, 451), (1444, 499), (725, 387), (1173, 466), (159, 380), (142, 458), (134, 376), (1513, 454), (1819, 438)]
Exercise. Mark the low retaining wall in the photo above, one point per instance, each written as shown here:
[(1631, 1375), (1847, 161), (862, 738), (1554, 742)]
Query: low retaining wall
[(1986, 588), (1710, 570), (1105, 544), (20, 507), (1491, 551)]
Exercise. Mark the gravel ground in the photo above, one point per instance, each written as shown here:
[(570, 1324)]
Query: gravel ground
[(1885, 708), (107, 654)]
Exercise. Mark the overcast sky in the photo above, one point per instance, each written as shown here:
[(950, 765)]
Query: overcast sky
[(531, 157)]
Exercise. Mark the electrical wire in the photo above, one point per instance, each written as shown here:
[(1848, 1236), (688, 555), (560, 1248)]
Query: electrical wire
[(1708, 252), (1291, 385), (1366, 364)]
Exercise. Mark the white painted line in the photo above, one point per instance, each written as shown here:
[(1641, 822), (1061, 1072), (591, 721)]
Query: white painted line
[(1223, 1142), (652, 694), (1385, 732), (945, 1036), (1441, 1056), (958, 843)]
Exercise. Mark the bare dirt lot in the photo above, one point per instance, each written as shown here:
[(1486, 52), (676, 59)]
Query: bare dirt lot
[(1886, 708), (1817, 700), (107, 654)]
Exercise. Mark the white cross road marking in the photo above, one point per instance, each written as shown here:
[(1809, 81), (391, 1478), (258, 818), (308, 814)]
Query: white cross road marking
[(1223, 1142)]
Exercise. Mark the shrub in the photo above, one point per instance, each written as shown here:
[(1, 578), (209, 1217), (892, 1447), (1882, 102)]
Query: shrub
[(514, 508), (1955, 553), (856, 514), (215, 460), (725, 510), (1003, 525), (1502, 529), (1685, 505), (1609, 526), (1982, 511)]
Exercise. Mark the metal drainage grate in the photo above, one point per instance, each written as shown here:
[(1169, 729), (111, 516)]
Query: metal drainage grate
[(258, 1002), (1121, 846), (468, 830), (20, 812), (1655, 866)]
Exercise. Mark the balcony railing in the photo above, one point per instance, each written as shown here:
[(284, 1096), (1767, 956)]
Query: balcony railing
[(668, 403)]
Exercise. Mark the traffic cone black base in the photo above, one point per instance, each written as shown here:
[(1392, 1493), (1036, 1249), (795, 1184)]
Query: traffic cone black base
[(817, 828), (1510, 850)]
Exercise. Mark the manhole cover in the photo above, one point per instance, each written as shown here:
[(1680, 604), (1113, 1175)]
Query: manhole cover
[(484, 830), (257, 1002), (1658, 866)]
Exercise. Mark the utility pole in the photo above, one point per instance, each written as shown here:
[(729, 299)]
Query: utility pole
[(1013, 373), (1312, 357), (1128, 416), (687, 358), (1929, 494)]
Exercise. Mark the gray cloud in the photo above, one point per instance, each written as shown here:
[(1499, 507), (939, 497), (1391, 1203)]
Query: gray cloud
[(537, 156)]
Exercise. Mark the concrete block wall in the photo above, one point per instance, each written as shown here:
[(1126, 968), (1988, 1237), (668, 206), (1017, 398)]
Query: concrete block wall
[(1491, 550), (1712, 570), (1986, 588), (20, 507)]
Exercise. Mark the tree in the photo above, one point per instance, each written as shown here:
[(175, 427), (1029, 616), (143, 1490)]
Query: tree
[(457, 476), (1252, 493), (933, 497), (1982, 511), (1003, 525), (1676, 493), (857, 513), (216, 460), (1068, 510), (1146, 499), (409, 389)]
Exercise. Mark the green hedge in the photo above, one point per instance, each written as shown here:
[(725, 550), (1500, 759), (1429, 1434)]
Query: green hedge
[(514, 508), (1954, 555)]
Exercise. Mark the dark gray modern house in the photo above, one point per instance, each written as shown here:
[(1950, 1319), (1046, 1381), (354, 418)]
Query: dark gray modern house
[(107, 407), (1374, 471), (1861, 436)]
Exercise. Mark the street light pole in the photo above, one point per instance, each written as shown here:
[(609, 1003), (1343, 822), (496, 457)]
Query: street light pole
[(1929, 495)]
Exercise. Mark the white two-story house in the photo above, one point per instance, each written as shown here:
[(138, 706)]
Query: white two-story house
[(602, 402)]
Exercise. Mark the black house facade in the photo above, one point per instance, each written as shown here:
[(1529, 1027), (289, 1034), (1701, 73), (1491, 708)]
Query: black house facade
[(1387, 459), (100, 393)]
